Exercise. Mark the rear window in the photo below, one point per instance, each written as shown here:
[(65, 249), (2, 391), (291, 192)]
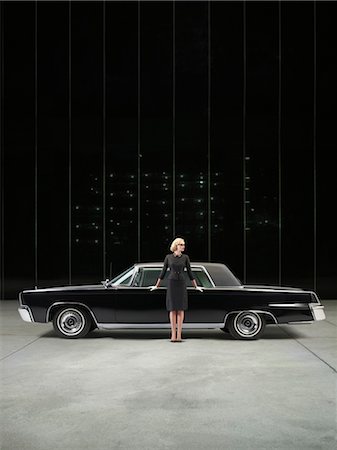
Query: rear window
[(222, 276)]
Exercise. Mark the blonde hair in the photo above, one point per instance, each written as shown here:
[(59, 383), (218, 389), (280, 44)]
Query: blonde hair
[(175, 243)]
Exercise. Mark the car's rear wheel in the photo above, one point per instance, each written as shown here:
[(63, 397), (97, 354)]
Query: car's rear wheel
[(72, 322), (246, 325)]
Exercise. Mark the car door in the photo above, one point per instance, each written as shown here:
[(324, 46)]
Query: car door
[(137, 304), (207, 306)]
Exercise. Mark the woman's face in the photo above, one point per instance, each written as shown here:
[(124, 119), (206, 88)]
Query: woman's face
[(181, 246)]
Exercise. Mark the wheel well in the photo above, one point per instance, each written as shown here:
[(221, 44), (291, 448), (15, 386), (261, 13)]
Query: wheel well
[(268, 317), (52, 310)]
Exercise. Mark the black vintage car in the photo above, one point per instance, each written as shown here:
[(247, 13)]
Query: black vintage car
[(126, 301)]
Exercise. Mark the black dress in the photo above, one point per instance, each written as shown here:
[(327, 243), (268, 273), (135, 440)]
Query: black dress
[(176, 294)]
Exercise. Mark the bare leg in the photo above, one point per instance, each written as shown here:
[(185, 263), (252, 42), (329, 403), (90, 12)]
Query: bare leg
[(173, 321), (180, 320)]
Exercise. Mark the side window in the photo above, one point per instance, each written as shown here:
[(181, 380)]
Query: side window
[(200, 277), (148, 276)]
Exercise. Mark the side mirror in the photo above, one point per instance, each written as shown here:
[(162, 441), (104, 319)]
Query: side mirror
[(105, 283)]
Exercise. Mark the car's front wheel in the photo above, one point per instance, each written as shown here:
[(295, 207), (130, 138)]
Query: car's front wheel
[(72, 322), (246, 325)]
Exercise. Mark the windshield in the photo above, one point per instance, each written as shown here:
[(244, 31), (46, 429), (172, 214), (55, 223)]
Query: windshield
[(123, 278)]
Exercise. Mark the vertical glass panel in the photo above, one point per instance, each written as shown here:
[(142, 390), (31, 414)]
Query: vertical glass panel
[(2, 172), (86, 142), (191, 162), (227, 135), (297, 145), (156, 129), (326, 144), (261, 164), (121, 135), (19, 147), (52, 161)]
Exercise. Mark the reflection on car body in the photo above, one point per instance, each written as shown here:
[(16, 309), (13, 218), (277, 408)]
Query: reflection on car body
[(126, 302)]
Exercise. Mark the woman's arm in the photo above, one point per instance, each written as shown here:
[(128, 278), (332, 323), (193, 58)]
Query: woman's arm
[(163, 272), (189, 271)]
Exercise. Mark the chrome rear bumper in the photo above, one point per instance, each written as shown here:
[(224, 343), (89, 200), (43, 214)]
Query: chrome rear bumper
[(25, 314), (317, 311)]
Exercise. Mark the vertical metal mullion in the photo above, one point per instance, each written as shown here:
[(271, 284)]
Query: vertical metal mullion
[(209, 133), (36, 152), (314, 150), (174, 120), (104, 148), (69, 147), (139, 135), (244, 144), (279, 147)]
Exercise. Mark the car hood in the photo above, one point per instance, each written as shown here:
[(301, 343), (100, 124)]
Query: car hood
[(83, 287)]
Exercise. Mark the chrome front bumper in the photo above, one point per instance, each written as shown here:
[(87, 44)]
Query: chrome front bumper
[(25, 314), (317, 311)]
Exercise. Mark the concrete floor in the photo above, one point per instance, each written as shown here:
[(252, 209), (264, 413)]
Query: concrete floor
[(137, 390)]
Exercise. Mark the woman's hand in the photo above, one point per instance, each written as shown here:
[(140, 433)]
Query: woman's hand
[(152, 288), (198, 288)]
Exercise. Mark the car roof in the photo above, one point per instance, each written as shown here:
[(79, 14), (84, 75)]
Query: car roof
[(194, 263), (220, 273)]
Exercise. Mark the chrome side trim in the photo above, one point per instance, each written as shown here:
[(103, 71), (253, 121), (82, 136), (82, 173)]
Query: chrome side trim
[(281, 290), (250, 310), (288, 305), (305, 322), (70, 303), (114, 326), (26, 314)]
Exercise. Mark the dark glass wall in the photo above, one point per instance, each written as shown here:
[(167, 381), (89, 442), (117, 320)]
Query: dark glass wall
[(126, 124), (121, 160), (52, 145), (297, 162), (191, 130), (226, 135), (86, 143), (325, 149), (155, 129), (261, 142), (18, 148)]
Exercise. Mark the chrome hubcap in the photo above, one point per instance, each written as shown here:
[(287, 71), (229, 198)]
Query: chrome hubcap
[(71, 322), (247, 324)]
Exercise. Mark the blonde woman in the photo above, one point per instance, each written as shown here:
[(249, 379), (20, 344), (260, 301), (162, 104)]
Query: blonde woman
[(176, 294)]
